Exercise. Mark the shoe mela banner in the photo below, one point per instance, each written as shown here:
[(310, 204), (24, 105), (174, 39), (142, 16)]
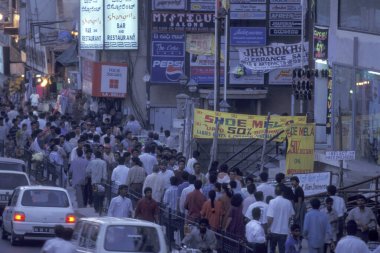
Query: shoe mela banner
[(274, 56), (240, 126), (300, 151)]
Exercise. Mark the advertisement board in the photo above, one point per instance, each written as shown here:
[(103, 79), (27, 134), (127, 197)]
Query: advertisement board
[(202, 5), (121, 25), (102, 79), (281, 77), (274, 56), (168, 57), (240, 126), (314, 183), (248, 11), (300, 151), (164, 21), (247, 36), (169, 4), (91, 24)]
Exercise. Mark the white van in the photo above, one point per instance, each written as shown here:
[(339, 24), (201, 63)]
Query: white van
[(111, 235)]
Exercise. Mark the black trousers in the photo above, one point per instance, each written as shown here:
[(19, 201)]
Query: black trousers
[(87, 193)]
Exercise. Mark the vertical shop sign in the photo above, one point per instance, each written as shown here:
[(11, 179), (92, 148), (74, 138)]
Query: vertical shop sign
[(321, 43), (91, 24), (300, 151), (168, 57), (329, 106), (121, 25)]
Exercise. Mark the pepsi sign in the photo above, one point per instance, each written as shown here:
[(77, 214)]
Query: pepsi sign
[(168, 57)]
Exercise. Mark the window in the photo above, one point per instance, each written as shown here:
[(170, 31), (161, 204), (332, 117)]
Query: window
[(131, 239), (360, 15), (84, 235), (9, 181), (45, 198), (93, 236), (15, 197), (322, 9)]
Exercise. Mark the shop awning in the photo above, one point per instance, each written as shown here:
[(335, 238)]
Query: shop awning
[(69, 56)]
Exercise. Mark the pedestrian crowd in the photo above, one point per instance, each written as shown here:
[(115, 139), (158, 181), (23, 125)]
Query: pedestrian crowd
[(144, 174)]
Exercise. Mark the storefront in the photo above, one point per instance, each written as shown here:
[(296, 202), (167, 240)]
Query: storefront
[(356, 92)]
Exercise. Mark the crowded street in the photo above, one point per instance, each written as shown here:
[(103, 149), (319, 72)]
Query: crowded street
[(204, 126)]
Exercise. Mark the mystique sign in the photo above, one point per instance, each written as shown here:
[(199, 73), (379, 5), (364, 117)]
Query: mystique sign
[(182, 22)]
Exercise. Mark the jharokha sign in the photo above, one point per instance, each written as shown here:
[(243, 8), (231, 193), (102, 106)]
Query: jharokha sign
[(274, 56), (240, 126), (182, 22)]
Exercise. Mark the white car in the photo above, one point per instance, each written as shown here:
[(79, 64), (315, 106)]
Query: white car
[(34, 211), (109, 234), (9, 180)]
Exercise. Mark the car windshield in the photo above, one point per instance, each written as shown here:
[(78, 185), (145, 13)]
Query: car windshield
[(131, 239), (45, 198), (9, 181)]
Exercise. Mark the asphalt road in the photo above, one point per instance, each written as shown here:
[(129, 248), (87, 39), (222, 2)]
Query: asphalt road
[(27, 247)]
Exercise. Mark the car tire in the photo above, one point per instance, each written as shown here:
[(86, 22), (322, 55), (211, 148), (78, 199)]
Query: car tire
[(4, 234), (14, 241)]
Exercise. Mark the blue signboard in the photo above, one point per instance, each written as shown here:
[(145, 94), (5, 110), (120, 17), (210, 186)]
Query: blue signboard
[(168, 57), (248, 36)]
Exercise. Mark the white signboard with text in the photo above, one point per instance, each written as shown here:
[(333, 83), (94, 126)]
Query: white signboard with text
[(340, 155), (114, 81), (91, 24), (121, 30), (314, 183)]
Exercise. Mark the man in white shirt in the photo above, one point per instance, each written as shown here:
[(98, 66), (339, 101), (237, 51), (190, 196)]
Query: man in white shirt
[(192, 161), (265, 187), (250, 199), (73, 153), (254, 232), (48, 246), (148, 159), (121, 206), (119, 175), (280, 210), (156, 182), (185, 192), (165, 174), (339, 206), (263, 207), (352, 243)]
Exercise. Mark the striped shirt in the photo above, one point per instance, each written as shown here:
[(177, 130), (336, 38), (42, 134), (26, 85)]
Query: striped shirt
[(171, 198)]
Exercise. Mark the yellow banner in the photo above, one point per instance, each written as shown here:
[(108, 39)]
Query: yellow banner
[(300, 151), (240, 126)]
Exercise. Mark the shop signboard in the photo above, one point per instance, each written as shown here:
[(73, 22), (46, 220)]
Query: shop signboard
[(285, 32), (248, 1), (248, 11), (285, 24), (329, 107), (121, 25), (168, 57), (340, 155), (281, 77), (285, 16), (285, 7), (314, 183), (102, 79), (248, 36), (202, 5), (202, 69), (169, 4), (285, 1), (91, 28), (113, 81), (274, 56), (182, 22)]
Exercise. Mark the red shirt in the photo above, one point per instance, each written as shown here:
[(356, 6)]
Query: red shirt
[(146, 209), (194, 202)]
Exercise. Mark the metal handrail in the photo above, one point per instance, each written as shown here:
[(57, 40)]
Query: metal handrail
[(257, 149), (241, 150)]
